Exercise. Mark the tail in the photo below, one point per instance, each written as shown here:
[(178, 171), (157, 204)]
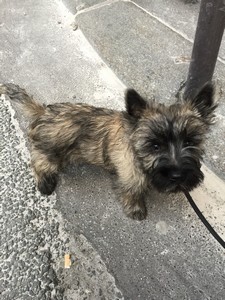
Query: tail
[(30, 107)]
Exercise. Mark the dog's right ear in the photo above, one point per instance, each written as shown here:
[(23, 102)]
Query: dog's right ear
[(135, 104), (205, 102)]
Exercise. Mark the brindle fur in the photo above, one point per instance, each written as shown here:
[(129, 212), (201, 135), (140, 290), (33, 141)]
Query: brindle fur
[(147, 144)]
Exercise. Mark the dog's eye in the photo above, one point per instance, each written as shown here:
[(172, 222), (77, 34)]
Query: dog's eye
[(156, 147)]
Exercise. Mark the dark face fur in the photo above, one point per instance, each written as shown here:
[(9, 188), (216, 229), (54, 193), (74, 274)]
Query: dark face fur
[(169, 140)]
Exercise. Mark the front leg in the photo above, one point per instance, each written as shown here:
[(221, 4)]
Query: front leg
[(134, 205), (132, 199), (131, 184)]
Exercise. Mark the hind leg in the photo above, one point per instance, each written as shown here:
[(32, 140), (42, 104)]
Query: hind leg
[(45, 171)]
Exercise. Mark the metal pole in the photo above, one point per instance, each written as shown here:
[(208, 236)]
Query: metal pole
[(208, 36)]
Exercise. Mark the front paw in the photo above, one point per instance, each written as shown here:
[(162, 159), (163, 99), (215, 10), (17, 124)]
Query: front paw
[(136, 212)]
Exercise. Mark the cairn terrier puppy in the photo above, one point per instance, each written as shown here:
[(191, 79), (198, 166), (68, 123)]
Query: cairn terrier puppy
[(147, 144)]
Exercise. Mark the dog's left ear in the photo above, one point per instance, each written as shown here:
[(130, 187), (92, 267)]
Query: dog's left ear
[(135, 104), (205, 102)]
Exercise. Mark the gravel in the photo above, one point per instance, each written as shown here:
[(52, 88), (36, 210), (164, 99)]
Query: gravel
[(30, 239)]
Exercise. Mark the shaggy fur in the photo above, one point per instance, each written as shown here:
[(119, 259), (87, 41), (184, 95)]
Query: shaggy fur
[(148, 144)]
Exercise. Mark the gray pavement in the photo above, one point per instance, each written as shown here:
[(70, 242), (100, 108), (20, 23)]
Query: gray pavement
[(171, 255)]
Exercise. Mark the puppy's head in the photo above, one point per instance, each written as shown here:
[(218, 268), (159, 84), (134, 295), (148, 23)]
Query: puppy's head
[(168, 141)]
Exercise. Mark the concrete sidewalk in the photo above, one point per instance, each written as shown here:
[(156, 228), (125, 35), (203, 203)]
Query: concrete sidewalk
[(170, 255)]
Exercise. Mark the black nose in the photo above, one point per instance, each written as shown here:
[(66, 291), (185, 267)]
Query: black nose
[(174, 175)]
